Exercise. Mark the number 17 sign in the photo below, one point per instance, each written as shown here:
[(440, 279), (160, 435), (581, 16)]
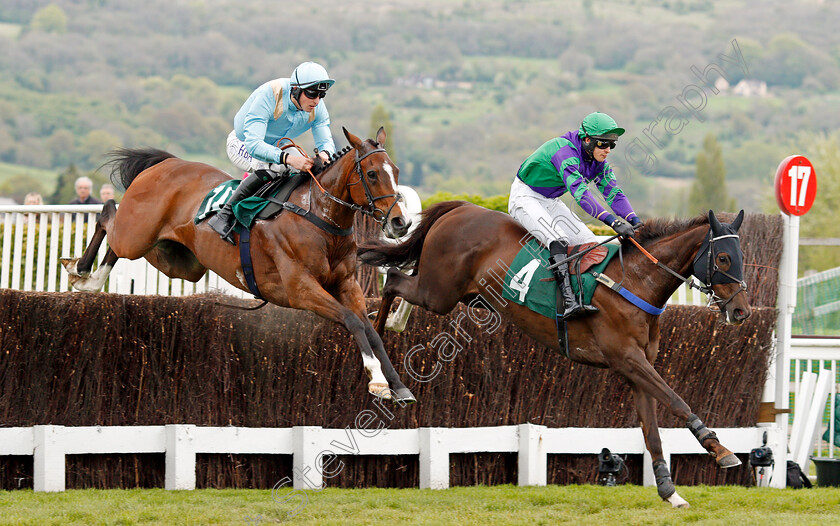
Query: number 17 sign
[(796, 185)]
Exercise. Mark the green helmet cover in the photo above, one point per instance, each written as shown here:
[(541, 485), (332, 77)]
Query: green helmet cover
[(599, 125)]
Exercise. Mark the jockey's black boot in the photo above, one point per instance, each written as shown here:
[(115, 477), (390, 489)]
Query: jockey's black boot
[(224, 221), (572, 307)]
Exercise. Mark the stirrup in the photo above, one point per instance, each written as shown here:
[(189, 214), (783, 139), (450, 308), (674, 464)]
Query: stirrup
[(228, 236), (223, 223)]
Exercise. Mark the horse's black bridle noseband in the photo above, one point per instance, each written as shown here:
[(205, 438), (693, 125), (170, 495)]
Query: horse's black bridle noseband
[(372, 210), (707, 275)]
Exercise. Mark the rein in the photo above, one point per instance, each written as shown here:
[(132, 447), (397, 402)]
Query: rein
[(711, 268), (706, 288), (371, 199)]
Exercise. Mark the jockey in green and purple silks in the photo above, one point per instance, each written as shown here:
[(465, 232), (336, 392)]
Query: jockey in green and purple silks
[(567, 164)]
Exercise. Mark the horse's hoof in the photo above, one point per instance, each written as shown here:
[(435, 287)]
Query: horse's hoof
[(380, 390), (677, 501), (727, 460), (69, 265), (403, 396)]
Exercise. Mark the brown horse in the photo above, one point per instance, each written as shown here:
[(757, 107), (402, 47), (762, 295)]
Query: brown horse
[(296, 263), (459, 250)]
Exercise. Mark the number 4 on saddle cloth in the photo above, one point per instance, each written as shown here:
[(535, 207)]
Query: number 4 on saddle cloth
[(529, 282)]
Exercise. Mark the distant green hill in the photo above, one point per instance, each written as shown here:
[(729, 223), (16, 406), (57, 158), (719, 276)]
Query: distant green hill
[(47, 177)]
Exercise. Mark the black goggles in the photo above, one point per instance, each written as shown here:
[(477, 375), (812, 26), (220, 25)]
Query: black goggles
[(604, 144), (317, 90)]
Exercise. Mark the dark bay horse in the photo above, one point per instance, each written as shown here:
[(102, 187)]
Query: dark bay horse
[(458, 251), (296, 263)]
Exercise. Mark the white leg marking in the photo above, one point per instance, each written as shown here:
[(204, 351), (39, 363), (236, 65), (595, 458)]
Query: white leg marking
[(677, 501), (397, 320), (94, 282), (70, 265), (374, 369)]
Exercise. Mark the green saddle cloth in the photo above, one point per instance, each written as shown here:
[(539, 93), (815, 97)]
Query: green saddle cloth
[(245, 211), (524, 285)]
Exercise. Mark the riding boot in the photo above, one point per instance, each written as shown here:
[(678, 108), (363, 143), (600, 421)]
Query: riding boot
[(573, 308), (224, 221)]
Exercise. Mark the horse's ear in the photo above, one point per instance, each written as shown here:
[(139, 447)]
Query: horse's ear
[(714, 223), (738, 220), (380, 136), (355, 142)]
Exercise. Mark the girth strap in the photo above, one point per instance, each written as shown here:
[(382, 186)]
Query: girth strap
[(245, 258), (629, 296)]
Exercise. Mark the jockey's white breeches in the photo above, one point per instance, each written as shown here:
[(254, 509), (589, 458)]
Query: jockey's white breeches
[(240, 157), (547, 219)]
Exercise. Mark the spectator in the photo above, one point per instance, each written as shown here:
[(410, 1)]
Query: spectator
[(83, 187), (106, 192), (33, 198)]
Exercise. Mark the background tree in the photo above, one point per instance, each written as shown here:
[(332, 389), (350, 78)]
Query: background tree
[(18, 186), (50, 19), (821, 220), (709, 188), (65, 190), (381, 117)]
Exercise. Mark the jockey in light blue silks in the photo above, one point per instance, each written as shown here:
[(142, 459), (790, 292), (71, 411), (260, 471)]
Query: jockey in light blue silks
[(285, 107), (567, 164)]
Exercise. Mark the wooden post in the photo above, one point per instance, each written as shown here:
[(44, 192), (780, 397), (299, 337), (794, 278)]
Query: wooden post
[(533, 459), (434, 459), (180, 456), (48, 464)]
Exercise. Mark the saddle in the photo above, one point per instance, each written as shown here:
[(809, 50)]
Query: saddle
[(277, 193), (593, 257), (585, 262)]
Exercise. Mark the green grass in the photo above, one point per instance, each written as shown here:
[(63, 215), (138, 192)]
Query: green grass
[(462, 506), (46, 176)]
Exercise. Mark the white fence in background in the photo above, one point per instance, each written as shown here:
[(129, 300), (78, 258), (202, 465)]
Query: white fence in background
[(309, 446), (31, 262), (816, 355)]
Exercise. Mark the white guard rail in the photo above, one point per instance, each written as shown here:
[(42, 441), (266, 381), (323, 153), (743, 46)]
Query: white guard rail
[(309, 445)]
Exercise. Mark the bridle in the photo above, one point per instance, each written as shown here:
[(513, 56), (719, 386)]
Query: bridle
[(371, 209), (706, 275), (712, 269), (370, 197)]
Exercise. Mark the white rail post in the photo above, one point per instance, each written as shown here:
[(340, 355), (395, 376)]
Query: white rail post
[(180, 456), (813, 420), (785, 304), (800, 409), (533, 459), (307, 447), (48, 464), (434, 459)]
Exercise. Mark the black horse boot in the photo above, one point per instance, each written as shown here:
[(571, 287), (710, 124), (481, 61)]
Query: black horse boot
[(572, 307), (223, 222)]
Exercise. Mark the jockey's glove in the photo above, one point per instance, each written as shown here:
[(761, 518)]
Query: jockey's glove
[(621, 228)]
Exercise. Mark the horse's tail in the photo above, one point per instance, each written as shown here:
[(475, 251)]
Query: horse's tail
[(127, 163), (407, 253)]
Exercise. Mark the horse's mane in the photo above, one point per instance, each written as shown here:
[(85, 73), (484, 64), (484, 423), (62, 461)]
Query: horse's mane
[(341, 153), (660, 227)]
